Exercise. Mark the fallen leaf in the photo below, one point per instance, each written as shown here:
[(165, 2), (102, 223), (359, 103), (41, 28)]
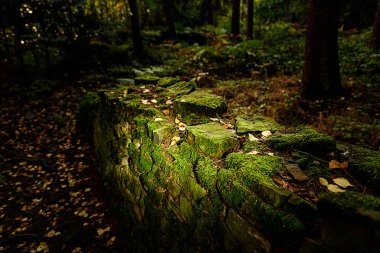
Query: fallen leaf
[(334, 188), (253, 152), (344, 165), (158, 119), (342, 182), (146, 90), (181, 126), (251, 137), (266, 134), (214, 119), (168, 102), (333, 164), (323, 181), (177, 121), (166, 112), (271, 154), (145, 102), (174, 140), (154, 101)]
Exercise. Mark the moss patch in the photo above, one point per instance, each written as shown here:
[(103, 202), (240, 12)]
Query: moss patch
[(212, 139), (201, 103), (181, 88), (305, 139), (147, 79), (256, 124)]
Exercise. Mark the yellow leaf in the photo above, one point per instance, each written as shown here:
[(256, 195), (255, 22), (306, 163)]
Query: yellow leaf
[(334, 188), (342, 182), (323, 181), (266, 134)]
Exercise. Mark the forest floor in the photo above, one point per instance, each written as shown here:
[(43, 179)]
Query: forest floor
[(51, 197)]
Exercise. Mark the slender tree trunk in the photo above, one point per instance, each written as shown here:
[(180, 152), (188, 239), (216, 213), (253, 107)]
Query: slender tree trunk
[(169, 10), (287, 10), (250, 19), (210, 12), (136, 32), (321, 77), (376, 29), (18, 29), (235, 21)]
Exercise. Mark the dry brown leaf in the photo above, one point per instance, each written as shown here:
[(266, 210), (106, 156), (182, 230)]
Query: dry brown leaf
[(342, 182), (344, 165), (166, 112), (333, 164)]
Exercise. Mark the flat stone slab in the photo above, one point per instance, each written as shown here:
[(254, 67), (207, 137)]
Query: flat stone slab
[(256, 124), (181, 88), (168, 81), (212, 139), (305, 139), (147, 79), (201, 103), (296, 172)]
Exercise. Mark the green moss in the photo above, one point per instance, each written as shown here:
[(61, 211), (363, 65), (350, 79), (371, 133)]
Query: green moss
[(147, 79), (207, 173), (254, 170), (305, 139), (202, 103), (282, 227), (347, 204), (254, 145), (181, 88), (194, 119), (256, 124), (366, 164), (168, 81), (212, 139), (87, 110)]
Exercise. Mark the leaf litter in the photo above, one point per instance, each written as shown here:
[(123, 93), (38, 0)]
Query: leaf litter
[(51, 198)]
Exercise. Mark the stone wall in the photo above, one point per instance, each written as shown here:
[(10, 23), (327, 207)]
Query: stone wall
[(187, 180)]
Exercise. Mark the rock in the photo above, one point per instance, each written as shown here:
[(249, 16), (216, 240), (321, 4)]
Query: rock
[(168, 81), (296, 172), (212, 139), (181, 88), (147, 79), (365, 163), (201, 103), (256, 124), (304, 138), (249, 238)]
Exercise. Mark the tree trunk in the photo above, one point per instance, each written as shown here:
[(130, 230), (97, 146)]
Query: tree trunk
[(321, 77), (169, 10), (235, 21), (376, 29), (250, 19), (136, 32)]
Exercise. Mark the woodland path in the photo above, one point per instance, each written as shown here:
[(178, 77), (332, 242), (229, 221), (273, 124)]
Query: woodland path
[(51, 197)]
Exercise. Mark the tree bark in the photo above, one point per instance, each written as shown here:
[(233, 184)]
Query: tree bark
[(250, 19), (136, 32), (376, 29), (235, 21), (321, 76), (169, 10)]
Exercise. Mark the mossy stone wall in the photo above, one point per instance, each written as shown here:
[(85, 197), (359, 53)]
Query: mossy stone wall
[(198, 189)]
